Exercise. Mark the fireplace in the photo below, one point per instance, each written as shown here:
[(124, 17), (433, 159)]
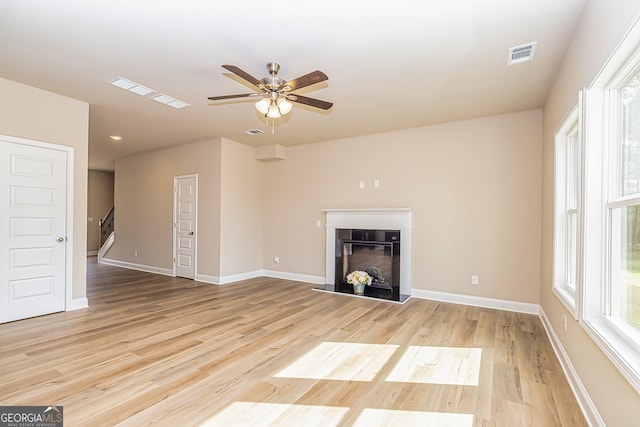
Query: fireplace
[(376, 252), (373, 240)]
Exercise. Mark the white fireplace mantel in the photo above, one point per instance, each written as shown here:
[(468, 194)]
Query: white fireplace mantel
[(371, 219)]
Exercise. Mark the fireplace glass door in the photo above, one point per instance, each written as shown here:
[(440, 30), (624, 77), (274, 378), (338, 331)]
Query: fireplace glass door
[(374, 258), (376, 252)]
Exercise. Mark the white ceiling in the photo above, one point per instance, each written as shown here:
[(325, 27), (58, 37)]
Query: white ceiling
[(391, 64)]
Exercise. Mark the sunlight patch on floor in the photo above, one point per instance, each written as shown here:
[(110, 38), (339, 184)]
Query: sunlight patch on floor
[(260, 414), (340, 361), (387, 417), (438, 365)]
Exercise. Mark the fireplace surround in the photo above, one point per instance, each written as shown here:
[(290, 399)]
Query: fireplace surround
[(378, 240)]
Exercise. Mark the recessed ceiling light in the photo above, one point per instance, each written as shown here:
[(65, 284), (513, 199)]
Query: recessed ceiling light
[(134, 87), (171, 102), (116, 137)]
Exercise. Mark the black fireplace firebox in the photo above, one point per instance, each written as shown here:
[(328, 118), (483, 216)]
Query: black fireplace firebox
[(375, 251)]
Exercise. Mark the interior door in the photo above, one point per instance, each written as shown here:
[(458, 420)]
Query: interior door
[(185, 214), (33, 208)]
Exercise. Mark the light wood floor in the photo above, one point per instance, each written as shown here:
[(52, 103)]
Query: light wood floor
[(159, 350)]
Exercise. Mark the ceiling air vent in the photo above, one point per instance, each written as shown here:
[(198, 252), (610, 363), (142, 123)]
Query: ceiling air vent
[(522, 53), (253, 131)]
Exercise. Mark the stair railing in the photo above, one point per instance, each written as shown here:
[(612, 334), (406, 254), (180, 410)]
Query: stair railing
[(106, 226)]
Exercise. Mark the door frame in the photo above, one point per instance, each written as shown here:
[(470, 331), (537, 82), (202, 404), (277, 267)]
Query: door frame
[(69, 253), (175, 227)]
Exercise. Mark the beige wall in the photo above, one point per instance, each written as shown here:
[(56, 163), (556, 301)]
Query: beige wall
[(144, 205), (473, 186), (229, 207), (600, 29), (31, 113), (100, 202), (241, 210)]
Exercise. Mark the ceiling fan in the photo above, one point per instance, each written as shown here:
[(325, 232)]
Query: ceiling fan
[(275, 93)]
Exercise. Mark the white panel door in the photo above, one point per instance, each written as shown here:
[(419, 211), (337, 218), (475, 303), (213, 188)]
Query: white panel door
[(33, 203), (186, 195)]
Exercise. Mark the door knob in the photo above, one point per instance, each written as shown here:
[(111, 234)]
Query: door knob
[(191, 233), (60, 239)]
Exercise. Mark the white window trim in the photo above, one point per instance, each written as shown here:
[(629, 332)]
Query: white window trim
[(567, 296)]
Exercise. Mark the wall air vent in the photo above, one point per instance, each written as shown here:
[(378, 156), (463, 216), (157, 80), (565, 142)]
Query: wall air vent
[(522, 53), (253, 131)]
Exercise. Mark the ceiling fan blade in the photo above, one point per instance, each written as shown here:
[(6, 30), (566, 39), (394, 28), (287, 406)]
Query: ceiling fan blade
[(244, 75), (309, 101), (242, 95), (303, 81)]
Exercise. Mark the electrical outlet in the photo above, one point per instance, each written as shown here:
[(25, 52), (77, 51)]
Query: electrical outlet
[(475, 279), (135, 252), (565, 322), (361, 185), (276, 260)]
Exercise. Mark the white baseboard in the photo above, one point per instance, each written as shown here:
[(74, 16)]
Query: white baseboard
[(225, 280), (238, 277), (139, 267), (77, 304), (92, 253), (205, 278), (498, 304), (589, 410), (316, 280), (215, 280)]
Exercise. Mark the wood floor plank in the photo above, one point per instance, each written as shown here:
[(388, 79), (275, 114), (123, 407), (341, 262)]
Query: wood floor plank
[(167, 351)]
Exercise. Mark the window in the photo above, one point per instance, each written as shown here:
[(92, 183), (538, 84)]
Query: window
[(622, 294), (609, 295), (567, 212)]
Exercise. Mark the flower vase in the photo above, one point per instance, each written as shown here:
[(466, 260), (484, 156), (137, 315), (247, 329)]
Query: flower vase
[(358, 289)]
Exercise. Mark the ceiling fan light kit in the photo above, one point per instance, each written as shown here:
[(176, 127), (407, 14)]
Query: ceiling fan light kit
[(276, 92), (284, 106), (272, 109)]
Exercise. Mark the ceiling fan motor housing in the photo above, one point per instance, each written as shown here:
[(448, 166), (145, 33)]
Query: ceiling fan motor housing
[(272, 82)]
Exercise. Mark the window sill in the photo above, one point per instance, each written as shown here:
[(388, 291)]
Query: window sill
[(567, 299), (620, 351)]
